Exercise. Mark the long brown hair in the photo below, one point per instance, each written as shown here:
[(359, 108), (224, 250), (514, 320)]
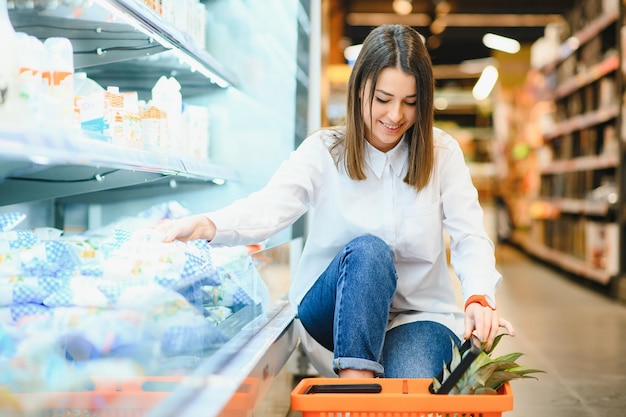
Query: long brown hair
[(395, 46)]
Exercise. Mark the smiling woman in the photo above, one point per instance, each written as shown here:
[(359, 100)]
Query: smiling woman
[(392, 112), (372, 290)]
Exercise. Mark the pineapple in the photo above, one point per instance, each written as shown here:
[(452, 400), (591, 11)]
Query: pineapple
[(485, 375)]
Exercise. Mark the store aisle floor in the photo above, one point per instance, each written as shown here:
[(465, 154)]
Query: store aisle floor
[(573, 332)]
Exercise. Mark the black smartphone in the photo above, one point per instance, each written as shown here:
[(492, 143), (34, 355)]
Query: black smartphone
[(470, 349), (344, 389)]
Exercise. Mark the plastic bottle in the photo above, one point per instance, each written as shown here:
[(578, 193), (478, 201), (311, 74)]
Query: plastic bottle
[(31, 85), (58, 70), (83, 85), (9, 68)]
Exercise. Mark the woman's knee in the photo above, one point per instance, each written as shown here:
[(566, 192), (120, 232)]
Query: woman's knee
[(417, 349), (371, 246), (370, 262)]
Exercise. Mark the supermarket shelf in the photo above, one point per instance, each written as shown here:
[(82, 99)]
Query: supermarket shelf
[(575, 228), (142, 74), (583, 36), (134, 32), (598, 71), (581, 164), (94, 43), (39, 165), (584, 121), (175, 39), (577, 206), (560, 259)]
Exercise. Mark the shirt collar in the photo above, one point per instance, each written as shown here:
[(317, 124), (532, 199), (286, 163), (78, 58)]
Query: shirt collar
[(377, 160)]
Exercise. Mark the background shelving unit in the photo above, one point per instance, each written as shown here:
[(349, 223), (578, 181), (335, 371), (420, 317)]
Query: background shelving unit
[(577, 218)]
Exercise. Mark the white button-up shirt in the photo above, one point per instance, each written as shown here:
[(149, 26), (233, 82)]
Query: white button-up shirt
[(410, 222)]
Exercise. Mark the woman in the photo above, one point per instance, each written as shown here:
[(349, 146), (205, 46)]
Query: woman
[(373, 284)]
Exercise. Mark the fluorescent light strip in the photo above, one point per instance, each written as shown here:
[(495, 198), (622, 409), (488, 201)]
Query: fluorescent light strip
[(501, 43), (485, 83)]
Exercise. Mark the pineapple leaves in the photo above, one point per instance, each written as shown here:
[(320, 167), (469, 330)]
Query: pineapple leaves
[(456, 356), (436, 383), (485, 375), (510, 358), (495, 343), (446, 372), (485, 391), (498, 378), (524, 371)]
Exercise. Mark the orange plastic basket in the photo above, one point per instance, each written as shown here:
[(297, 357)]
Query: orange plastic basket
[(398, 398)]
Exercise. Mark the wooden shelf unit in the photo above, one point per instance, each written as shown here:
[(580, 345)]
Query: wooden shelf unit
[(578, 218)]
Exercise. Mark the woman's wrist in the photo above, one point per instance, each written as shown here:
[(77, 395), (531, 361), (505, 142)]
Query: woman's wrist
[(480, 299), (208, 228)]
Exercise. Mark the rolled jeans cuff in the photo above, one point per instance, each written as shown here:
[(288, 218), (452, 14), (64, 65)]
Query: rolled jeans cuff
[(358, 364)]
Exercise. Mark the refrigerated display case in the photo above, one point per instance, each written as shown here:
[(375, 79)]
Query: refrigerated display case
[(129, 325)]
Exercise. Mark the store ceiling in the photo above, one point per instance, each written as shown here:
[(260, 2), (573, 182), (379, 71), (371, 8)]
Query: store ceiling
[(466, 22)]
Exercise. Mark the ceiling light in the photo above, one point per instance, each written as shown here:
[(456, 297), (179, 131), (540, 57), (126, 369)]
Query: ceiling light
[(501, 43), (485, 83), (402, 7)]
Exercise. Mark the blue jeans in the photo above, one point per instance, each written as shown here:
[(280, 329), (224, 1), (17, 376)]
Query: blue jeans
[(347, 312)]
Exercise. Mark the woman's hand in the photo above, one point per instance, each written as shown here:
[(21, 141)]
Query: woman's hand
[(187, 228), (485, 323)]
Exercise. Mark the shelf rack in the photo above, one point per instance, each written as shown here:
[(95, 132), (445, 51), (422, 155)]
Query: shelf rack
[(123, 43), (39, 165), (576, 231), (124, 40)]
